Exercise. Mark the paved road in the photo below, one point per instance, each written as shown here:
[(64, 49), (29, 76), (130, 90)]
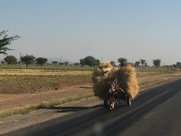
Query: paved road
[(155, 112)]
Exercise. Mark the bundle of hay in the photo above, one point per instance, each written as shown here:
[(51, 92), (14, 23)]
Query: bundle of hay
[(103, 71), (101, 77), (106, 73), (128, 81)]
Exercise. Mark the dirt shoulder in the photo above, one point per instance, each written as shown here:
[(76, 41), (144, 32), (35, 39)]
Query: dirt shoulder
[(8, 102), (21, 121)]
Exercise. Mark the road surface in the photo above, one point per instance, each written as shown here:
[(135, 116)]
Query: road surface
[(155, 112)]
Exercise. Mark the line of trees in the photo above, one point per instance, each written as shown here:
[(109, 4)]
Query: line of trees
[(27, 60), (141, 63), (91, 61), (6, 40), (87, 61)]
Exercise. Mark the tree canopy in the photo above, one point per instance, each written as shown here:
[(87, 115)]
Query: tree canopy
[(90, 61), (137, 64), (122, 62), (113, 63), (41, 61), (10, 59), (6, 40), (157, 63), (178, 64), (143, 62), (28, 59)]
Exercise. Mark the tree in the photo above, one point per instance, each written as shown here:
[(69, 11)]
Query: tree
[(10, 59), (157, 63), (122, 62), (5, 40), (137, 63), (76, 64), (143, 62), (28, 59), (113, 63), (146, 64), (2, 62), (66, 63), (61, 63), (90, 61), (178, 64), (82, 62), (54, 62), (41, 61)]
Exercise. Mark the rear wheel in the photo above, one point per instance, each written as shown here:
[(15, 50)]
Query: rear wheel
[(129, 102)]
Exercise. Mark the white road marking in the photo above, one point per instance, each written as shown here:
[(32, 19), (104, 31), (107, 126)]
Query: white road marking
[(149, 115)]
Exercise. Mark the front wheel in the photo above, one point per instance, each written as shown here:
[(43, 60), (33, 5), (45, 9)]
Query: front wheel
[(112, 106), (105, 103)]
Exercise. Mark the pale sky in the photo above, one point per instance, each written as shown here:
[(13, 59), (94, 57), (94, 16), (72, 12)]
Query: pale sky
[(105, 29)]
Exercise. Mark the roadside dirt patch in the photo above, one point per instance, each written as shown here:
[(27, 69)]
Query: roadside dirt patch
[(21, 121), (11, 101)]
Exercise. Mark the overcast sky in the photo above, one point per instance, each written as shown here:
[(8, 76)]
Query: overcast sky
[(105, 29)]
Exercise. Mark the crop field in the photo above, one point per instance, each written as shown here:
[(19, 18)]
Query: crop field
[(148, 77), (14, 79), (37, 79)]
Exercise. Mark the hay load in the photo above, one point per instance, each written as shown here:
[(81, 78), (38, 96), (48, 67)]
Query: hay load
[(106, 73), (103, 72), (101, 77), (128, 81)]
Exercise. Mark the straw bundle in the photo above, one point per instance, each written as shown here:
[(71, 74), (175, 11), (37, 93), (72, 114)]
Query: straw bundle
[(102, 72), (128, 81), (106, 73), (101, 77)]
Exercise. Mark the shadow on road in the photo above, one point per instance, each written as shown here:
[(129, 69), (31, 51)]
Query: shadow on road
[(74, 108), (79, 108)]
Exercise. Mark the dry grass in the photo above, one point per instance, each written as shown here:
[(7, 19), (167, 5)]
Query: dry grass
[(128, 81), (39, 72)]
